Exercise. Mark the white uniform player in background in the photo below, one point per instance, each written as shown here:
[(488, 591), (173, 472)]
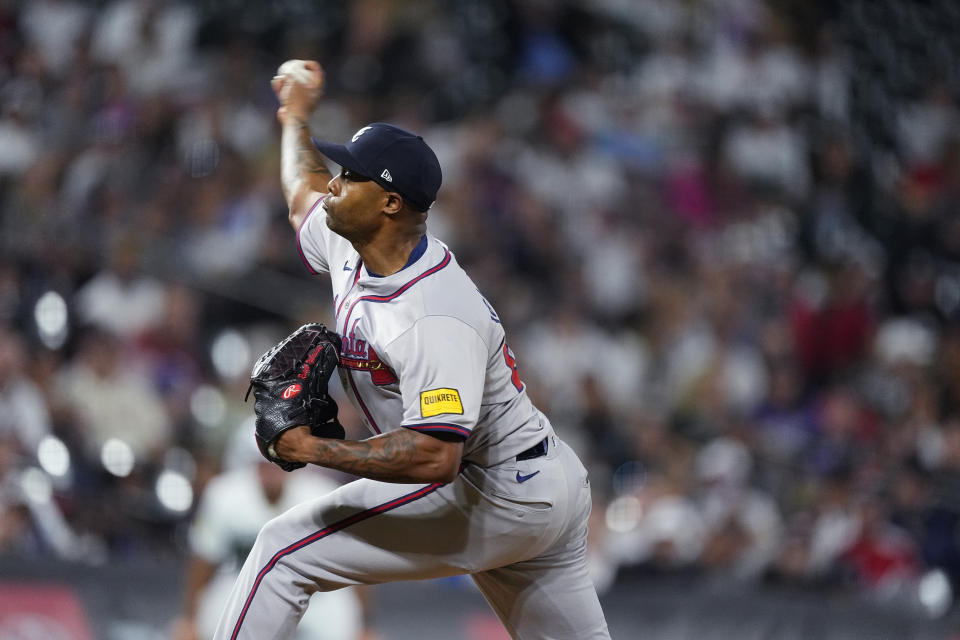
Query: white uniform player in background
[(462, 475), (234, 506)]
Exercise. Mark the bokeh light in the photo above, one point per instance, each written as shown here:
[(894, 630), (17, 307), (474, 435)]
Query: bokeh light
[(36, 486), (623, 514), (230, 354), (117, 457), (50, 315), (174, 491), (208, 406), (53, 456), (935, 593)]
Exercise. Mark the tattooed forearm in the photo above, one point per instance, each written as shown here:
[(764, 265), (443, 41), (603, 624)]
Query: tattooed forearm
[(299, 160), (387, 460), (308, 158), (400, 456)]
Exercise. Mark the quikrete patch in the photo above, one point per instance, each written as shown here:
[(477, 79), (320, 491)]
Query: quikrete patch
[(437, 401)]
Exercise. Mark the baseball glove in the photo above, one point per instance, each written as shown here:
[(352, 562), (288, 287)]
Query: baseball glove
[(289, 384)]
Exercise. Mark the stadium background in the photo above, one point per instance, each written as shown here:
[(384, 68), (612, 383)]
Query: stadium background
[(723, 234)]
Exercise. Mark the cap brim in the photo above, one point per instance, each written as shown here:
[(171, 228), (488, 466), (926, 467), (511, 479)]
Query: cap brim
[(339, 154)]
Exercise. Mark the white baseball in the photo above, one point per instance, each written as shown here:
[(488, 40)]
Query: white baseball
[(297, 71)]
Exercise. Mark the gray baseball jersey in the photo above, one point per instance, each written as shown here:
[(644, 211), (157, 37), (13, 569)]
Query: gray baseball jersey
[(423, 350)]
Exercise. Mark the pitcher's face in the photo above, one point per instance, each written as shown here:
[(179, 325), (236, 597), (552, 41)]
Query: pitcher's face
[(355, 205)]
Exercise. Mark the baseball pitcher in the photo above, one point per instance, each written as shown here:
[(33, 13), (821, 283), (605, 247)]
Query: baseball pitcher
[(462, 474)]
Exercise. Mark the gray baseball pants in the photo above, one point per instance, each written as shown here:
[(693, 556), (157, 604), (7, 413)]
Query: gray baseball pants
[(518, 528)]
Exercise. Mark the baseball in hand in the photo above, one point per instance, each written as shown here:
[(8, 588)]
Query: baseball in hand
[(297, 85), (299, 72)]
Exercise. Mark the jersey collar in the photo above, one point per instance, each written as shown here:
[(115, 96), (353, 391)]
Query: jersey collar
[(415, 255)]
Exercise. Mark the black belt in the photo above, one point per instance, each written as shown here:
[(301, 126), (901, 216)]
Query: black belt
[(537, 450)]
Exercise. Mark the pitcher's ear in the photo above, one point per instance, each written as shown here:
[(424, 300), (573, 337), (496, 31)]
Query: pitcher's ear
[(394, 203)]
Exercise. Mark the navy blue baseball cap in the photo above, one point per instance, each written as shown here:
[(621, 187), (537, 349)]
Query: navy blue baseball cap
[(395, 159)]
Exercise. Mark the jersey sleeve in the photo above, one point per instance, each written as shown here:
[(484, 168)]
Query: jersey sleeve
[(441, 363), (313, 239)]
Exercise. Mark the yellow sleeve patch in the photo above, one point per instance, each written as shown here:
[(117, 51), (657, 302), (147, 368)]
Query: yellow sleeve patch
[(437, 401)]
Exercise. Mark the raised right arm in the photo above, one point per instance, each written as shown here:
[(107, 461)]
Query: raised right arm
[(303, 174)]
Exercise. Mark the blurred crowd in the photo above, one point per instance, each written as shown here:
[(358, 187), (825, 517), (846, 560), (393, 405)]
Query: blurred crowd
[(723, 234)]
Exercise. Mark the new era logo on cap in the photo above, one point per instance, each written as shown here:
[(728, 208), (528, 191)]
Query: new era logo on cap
[(414, 171)]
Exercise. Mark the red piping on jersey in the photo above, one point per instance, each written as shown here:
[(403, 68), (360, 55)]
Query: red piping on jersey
[(387, 298), (363, 407), (302, 224), (323, 533), (439, 426)]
